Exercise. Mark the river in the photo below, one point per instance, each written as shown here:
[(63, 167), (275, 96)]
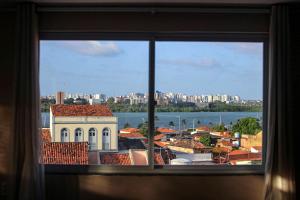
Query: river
[(163, 118)]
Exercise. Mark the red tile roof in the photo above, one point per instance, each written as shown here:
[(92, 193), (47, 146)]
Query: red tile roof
[(161, 144), (188, 144), (165, 130), (226, 143), (238, 152), (240, 155), (46, 136), (80, 110), (129, 130), (132, 135), (124, 159), (159, 137), (203, 128), (115, 159), (65, 153)]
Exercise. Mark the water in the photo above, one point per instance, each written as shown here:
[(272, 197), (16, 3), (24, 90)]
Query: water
[(163, 118)]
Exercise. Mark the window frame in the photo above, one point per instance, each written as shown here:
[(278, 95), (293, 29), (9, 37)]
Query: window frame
[(153, 37)]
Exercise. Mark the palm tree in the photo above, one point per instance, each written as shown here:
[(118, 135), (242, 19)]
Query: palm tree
[(171, 124), (183, 123), (127, 125)]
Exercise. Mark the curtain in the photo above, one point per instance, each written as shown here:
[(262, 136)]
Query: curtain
[(280, 170), (26, 175)]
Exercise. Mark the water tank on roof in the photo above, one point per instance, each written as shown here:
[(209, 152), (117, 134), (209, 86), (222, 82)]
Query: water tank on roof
[(181, 161)]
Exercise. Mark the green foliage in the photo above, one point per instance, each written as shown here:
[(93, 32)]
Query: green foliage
[(205, 139), (127, 125), (219, 127), (248, 125), (143, 128)]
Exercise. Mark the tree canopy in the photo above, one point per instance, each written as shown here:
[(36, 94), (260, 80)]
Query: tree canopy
[(248, 125)]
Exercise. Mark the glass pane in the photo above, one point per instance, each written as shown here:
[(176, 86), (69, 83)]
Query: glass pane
[(209, 103), (94, 102)]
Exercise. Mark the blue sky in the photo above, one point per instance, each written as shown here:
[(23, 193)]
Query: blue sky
[(120, 67)]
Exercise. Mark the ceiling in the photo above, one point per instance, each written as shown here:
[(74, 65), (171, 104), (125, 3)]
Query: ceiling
[(150, 2), (263, 2)]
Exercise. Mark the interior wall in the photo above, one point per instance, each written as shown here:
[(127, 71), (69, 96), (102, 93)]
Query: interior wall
[(110, 187), (154, 187), (129, 187)]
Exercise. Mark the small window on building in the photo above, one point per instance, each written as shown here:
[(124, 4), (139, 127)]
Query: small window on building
[(78, 135), (65, 135)]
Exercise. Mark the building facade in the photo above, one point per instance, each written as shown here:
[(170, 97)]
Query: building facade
[(94, 124)]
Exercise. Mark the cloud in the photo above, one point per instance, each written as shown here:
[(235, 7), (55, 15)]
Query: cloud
[(92, 48), (202, 63), (247, 48)]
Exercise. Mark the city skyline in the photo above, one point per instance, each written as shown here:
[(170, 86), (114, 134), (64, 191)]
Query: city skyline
[(210, 67)]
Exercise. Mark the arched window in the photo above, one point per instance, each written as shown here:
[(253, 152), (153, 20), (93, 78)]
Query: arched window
[(64, 135), (78, 135), (106, 139), (92, 138)]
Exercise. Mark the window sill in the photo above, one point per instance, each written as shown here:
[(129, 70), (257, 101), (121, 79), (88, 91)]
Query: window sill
[(158, 170)]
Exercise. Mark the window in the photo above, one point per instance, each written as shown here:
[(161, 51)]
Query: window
[(106, 139), (108, 100), (92, 139), (209, 102), (78, 135), (183, 97), (64, 135)]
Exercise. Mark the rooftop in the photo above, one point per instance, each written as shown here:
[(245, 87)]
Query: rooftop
[(129, 130), (80, 110), (65, 153), (166, 130), (132, 135)]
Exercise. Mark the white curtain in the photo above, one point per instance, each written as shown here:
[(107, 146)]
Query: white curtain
[(26, 175), (280, 168)]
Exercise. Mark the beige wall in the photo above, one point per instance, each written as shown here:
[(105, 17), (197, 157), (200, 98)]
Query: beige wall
[(99, 123)]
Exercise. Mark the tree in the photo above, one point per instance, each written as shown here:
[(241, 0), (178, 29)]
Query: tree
[(248, 125), (110, 100), (171, 124), (127, 125), (219, 128), (205, 139), (183, 123), (143, 128)]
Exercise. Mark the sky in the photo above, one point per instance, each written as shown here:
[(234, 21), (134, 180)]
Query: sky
[(119, 67)]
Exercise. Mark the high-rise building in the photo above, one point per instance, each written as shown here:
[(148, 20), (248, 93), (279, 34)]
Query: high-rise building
[(60, 96)]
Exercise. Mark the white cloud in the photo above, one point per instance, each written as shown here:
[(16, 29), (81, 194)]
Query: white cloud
[(202, 63), (92, 48)]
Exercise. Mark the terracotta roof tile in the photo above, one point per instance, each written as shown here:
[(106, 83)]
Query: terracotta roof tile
[(115, 159), (203, 128), (165, 130), (129, 130), (81, 110), (159, 137), (132, 135), (161, 144), (65, 153)]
